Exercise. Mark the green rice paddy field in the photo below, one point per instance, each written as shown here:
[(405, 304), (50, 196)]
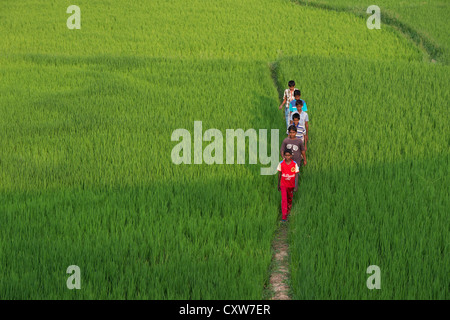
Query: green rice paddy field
[(87, 178)]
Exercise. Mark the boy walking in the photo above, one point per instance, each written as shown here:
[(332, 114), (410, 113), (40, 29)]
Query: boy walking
[(293, 106), (295, 145), (287, 182), (287, 98), (296, 119), (301, 122)]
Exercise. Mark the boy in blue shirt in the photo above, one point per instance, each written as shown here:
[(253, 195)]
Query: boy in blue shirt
[(293, 104)]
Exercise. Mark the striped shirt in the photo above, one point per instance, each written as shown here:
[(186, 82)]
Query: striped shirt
[(302, 123), (289, 96)]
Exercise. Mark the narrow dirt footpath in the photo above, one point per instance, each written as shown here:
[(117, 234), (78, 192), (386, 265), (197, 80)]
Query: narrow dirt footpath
[(279, 289), (280, 270)]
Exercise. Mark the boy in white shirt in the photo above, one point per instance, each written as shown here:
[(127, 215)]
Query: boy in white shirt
[(300, 120)]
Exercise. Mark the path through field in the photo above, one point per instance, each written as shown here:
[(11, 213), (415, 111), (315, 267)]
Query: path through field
[(280, 272), (92, 173)]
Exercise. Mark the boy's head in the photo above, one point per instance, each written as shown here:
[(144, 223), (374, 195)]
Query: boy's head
[(291, 84), (296, 118), (299, 104), (287, 154), (297, 94), (292, 131)]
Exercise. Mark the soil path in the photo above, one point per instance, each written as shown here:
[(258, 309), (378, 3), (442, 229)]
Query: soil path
[(279, 288), (280, 262)]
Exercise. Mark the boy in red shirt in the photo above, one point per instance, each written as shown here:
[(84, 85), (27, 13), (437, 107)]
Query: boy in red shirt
[(287, 182)]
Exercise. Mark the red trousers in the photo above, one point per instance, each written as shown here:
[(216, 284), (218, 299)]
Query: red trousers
[(286, 201)]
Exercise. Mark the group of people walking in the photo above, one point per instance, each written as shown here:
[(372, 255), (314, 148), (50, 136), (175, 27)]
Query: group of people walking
[(293, 148)]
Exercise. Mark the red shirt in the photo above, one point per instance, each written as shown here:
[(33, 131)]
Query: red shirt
[(288, 172)]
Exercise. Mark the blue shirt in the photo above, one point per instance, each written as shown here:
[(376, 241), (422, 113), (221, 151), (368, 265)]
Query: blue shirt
[(293, 108)]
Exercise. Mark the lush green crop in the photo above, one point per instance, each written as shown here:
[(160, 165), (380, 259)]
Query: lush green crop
[(86, 118), (249, 30), (87, 179), (375, 190), (425, 22)]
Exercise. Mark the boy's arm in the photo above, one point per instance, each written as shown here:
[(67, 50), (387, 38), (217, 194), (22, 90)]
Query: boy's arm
[(303, 151), (307, 130), (279, 180), (284, 101), (296, 177), (282, 104), (306, 134)]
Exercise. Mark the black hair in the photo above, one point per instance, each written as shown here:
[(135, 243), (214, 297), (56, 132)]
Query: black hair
[(296, 116), (292, 128), (297, 93), (291, 83), (287, 151), (299, 103)]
